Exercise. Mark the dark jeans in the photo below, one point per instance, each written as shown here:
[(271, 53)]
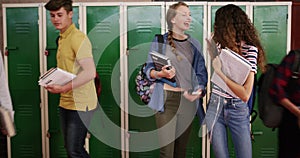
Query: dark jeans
[(289, 136), (174, 125), (74, 126)]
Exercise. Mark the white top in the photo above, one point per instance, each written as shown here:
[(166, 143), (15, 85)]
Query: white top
[(5, 99)]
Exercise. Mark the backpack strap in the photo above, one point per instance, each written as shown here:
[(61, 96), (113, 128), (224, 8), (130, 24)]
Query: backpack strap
[(160, 41), (296, 65)]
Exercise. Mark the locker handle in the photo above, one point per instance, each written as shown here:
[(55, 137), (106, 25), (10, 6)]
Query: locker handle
[(258, 132), (128, 49), (51, 131), (11, 48), (51, 47)]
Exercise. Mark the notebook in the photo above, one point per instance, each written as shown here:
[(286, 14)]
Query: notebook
[(159, 60), (235, 67), (56, 76)]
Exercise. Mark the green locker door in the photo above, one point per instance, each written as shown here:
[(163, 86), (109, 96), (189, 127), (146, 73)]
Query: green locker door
[(194, 148), (143, 22), (103, 25), (54, 132), (230, 143), (271, 23), (23, 73)]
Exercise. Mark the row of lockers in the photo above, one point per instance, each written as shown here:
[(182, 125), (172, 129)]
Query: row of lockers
[(120, 34)]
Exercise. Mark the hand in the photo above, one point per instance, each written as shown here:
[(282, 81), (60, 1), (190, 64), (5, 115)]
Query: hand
[(217, 65), (54, 88), (3, 131), (212, 48), (191, 97), (167, 72)]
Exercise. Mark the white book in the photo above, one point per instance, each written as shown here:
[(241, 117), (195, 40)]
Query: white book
[(56, 76), (159, 60), (235, 67), (6, 123)]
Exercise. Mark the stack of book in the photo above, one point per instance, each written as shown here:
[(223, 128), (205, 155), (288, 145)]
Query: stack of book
[(55, 76)]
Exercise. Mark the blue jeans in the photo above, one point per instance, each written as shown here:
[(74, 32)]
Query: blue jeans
[(74, 126), (234, 114)]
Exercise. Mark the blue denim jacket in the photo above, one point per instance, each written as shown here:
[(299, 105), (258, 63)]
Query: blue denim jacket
[(157, 98)]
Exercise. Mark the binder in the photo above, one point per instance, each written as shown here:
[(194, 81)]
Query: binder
[(235, 67), (159, 60), (55, 76)]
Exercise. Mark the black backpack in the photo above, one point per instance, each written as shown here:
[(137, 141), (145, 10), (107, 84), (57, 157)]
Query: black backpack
[(144, 87), (269, 112)]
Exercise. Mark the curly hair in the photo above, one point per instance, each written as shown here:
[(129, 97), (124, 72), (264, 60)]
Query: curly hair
[(170, 15), (232, 26)]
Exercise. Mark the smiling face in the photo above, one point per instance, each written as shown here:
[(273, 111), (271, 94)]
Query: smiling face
[(182, 20), (61, 19)]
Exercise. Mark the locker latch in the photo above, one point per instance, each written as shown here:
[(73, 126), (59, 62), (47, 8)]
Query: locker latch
[(46, 52), (6, 52)]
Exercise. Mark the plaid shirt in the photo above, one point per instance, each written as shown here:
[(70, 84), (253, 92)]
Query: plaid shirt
[(281, 80)]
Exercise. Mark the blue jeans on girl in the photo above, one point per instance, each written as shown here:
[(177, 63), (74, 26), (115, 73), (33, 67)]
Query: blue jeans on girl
[(233, 114)]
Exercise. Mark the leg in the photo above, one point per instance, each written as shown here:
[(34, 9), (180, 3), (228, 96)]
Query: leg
[(185, 117), (239, 126), (217, 131), (166, 123), (166, 134), (289, 136), (75, 132), (219, 140)]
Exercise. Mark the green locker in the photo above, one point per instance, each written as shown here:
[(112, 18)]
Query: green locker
[(143, 22), (103, 29), (56, 143), (142, 27), (23, 72), (272, 23)]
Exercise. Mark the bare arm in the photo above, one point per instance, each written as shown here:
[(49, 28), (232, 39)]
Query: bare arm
[(290, 106), (87, 74), (242, 91)]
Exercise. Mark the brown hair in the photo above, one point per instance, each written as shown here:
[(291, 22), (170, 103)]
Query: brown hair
[(232, 26), (54, 5), (170, 15)]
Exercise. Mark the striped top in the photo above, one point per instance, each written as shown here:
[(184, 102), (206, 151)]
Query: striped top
[(250, 53)]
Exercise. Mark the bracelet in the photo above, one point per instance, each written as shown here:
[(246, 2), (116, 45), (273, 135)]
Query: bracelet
[(155, 75)]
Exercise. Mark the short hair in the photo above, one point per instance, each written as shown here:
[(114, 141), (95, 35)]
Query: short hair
[(54, 5)]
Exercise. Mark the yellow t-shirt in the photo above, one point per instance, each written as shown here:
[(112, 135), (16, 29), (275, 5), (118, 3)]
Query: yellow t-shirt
[(73, 46)]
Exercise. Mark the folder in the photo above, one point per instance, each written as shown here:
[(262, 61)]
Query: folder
[(235, 67), (55, 76)]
